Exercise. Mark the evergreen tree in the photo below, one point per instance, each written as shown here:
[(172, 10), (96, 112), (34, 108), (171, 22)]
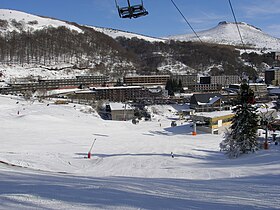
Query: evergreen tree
[(169, 87), (242, 136)]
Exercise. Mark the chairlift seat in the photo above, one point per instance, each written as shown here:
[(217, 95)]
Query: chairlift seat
[(133, 11)]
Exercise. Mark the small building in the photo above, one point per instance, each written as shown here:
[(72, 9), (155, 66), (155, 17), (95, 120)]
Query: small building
[(121, 112), (213, 122)]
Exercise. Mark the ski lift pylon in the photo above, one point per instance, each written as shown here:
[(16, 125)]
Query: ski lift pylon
[(131, 11)]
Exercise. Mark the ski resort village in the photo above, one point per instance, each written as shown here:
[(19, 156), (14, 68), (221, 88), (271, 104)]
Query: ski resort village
[(99, 118)]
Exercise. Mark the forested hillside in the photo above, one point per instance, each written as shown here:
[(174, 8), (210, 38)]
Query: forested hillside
[(53, 46), (203, 57)]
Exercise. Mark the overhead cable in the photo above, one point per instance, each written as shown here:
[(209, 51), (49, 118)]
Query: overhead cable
[(233, 13), (186, 20)]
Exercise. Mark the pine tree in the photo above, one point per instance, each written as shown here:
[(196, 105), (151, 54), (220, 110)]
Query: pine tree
[(242, 136), (169, 87)]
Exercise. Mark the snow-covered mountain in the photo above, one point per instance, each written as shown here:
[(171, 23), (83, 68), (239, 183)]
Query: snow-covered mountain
[(11, 20), (227, 33)]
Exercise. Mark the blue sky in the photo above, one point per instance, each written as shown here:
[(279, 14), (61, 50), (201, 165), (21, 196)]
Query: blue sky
[(163, 18)]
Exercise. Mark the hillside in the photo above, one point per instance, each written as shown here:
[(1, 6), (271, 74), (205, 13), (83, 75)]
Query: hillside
[(227, 33)]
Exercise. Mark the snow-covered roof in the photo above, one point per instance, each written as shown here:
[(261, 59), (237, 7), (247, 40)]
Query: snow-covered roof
[(214, 114), (120, 106), (214, 100), (118, 87)]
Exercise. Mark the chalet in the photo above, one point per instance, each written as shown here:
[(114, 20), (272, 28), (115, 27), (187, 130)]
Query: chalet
[(206, 102)]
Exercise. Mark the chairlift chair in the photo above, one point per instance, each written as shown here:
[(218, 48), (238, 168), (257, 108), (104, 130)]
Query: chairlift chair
[(131, 11)]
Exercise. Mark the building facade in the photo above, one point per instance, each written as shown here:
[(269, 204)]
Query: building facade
[(186, 80), (205, 88), (146, 80), (225, 80)]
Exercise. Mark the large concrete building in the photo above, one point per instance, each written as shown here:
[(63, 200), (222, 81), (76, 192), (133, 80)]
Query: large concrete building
[(123, 93)]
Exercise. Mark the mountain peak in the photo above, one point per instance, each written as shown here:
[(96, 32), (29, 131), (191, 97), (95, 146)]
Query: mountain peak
[(226, 33), (239, 23)]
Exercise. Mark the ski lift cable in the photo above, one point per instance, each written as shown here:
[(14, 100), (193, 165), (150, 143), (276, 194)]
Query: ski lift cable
[(186, 20), (238, 29), (235, 20)]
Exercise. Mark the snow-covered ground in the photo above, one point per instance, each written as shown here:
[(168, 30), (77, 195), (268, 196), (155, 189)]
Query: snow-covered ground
[(13, 73), (44, 164)]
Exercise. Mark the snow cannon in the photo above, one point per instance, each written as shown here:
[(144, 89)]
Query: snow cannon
[(194, 129), (89, 152)]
